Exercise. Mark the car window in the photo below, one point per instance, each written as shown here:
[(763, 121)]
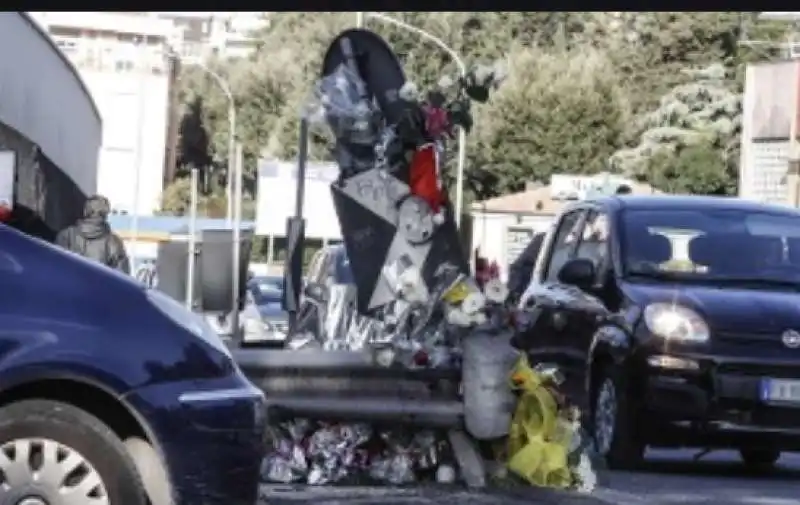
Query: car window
[(703, 244), (266, 290), (343, 274), (594, 239), (564, 243)]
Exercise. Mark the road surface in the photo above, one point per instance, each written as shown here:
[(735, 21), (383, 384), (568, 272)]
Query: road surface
[(668, 478)]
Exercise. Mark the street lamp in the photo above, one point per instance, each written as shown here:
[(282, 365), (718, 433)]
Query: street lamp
[(462, 68), (226, 89)]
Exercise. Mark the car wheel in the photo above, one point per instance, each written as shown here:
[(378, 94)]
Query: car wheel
[(613, 423), (761, 459), (52, 452)]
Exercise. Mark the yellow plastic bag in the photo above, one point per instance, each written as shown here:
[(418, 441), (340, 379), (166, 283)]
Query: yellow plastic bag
[(457, 293), (539, 437)]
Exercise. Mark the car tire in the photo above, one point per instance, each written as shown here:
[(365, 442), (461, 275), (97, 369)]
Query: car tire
[(151, 469), (614, 425), (86, 460), (760, 459)]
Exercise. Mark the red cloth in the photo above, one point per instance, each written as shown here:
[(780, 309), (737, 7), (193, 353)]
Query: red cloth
[(494, 270), (437, 121), (424, 178)]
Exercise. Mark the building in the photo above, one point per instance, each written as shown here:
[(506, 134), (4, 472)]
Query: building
[(222, 34), (503, 226), (50, 130), (121, 57), (769, 120)]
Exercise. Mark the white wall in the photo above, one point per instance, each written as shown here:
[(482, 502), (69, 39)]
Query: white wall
[(43, 98), (134, 110), (490, 233), (766, 126)]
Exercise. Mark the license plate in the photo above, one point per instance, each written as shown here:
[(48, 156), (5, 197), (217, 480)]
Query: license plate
[(780, 390)]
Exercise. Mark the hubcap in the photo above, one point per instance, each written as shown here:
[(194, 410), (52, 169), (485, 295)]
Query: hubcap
[(605, 416), (39, 471)]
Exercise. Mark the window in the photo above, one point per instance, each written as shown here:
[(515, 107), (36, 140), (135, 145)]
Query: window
[(712, 244), (594, 240), (564, 243)]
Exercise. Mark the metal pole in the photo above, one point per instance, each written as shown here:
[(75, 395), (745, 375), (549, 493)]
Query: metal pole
[(302, 161), (231, 155), (462, 156), (140, 119), (270, 250), (462, 69), (295, 235), (237, 237), (192, 247)]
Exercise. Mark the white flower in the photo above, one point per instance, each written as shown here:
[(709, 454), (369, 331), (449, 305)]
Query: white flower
[(495, 291), (473, 303), (409, 92), (412, 286), (384, 357), (445, 474), (458, 317), (585, 475)]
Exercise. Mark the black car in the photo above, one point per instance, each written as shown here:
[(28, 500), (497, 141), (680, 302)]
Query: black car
[(676, 323), (267, 293)]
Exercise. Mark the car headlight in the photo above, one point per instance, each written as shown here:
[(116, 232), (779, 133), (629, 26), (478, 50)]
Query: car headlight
[(675, 322), (187, 319)]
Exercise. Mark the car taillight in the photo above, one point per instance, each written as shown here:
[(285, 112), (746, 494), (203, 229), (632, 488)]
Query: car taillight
[(5, 212)]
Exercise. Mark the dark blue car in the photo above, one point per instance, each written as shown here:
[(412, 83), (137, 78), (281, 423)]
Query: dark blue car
[(114, 394)]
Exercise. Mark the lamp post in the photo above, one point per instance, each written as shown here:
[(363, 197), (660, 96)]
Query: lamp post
[(143, 70), (226, 89), (462, 69)]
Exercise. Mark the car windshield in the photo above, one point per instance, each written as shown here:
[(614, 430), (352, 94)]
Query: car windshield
[(266, 290), (717, 245)]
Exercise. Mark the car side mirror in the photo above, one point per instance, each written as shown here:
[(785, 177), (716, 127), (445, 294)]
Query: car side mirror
[(578, 272), (316, 292)]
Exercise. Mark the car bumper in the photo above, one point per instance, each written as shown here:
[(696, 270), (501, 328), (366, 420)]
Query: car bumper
[(210, 433), (718, 400)]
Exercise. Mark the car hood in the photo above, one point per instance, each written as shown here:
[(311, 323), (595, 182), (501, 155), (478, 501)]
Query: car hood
[(726, 308), (272, 311)]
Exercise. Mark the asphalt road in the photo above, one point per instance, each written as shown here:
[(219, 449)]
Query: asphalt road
[(668, 478)]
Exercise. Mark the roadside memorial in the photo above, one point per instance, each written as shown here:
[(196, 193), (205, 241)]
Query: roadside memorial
[(415, 305)]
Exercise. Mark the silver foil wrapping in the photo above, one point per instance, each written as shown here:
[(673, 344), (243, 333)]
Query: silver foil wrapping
[(329, 453)]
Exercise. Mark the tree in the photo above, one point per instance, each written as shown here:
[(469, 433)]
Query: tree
[(695, 169), (177, 197), (693, 120), (534, 127), (560, 111), (193, 141)]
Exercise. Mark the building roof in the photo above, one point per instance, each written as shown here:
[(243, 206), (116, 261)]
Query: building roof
[(538, 201)]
